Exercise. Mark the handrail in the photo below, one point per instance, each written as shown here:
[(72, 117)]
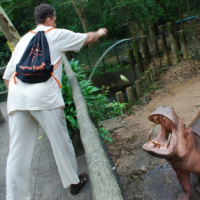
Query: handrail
[(101, 174)]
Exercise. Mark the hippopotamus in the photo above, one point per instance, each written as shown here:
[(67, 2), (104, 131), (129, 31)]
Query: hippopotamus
[(178, 144)]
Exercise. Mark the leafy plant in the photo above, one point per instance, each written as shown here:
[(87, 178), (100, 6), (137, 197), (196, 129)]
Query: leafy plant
[(113, 68), (98, 106), (180, 54), (2, 84), (4, 51)]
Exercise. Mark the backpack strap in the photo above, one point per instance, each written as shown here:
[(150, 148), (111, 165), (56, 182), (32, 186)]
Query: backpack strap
[(44, 31), (15, 77), (56, 80), (56, 65), (49, 30)]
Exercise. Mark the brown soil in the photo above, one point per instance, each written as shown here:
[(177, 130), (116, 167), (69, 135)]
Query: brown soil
[(179, 88)]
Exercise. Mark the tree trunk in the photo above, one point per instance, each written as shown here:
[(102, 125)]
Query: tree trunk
[(154, 42), (188, 7), (173, 42), (145, 47), (164, 45), (81, 13), (183, 42), (6, 28), (180, 14), (166, 12)]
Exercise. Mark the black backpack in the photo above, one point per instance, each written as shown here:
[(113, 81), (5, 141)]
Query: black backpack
[(35, 64)]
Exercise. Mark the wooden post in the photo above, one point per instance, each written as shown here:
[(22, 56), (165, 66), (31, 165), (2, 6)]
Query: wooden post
[(100, 171), (123, 63), (138, 88), (164, 45), (101, 53), (137, 56), (147, 74), (131, 57), (132, 61), (146, 49), (173, 42), (88, 60), (144, 83), (182, 39), (120, 97), (137, 73), (153, 70), (130, 95), (116, 53), (154, 43), (151, 75)]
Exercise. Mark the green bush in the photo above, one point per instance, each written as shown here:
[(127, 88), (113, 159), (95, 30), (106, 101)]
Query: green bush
[(2, 85), (98, 106), (5, 52)]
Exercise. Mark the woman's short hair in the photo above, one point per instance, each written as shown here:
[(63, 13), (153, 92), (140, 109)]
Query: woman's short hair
[(42, 12)]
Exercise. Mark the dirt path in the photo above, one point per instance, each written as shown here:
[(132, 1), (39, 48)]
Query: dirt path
[(181, 90)]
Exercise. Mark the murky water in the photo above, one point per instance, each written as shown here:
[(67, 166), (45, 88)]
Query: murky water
[(104, 55)]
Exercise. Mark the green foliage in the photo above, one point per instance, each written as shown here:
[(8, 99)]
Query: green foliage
[(110, 68), (162, 69), (2, 85), (98, 106), (179, 54), (4, 51)]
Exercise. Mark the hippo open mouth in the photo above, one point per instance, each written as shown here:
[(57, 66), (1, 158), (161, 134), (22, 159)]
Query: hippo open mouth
[(164, 144)]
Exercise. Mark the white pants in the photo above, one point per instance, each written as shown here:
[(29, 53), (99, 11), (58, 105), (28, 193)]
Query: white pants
[(23, 127)]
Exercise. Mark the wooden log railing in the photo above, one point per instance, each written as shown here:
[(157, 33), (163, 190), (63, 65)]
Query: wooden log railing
[(103, 181), (101, 175)]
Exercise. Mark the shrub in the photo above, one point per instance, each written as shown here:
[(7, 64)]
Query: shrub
[(98, 106)]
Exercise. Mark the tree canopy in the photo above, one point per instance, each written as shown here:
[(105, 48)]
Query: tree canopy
[(89, 15)]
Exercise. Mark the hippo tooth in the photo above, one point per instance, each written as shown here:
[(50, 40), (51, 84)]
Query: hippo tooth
[(169, 138), (157, 143), (149, 135)]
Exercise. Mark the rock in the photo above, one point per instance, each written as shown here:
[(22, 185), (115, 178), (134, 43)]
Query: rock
[(112, 124), (143, 168), (132, 138), (155, 86), (146, 98)]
